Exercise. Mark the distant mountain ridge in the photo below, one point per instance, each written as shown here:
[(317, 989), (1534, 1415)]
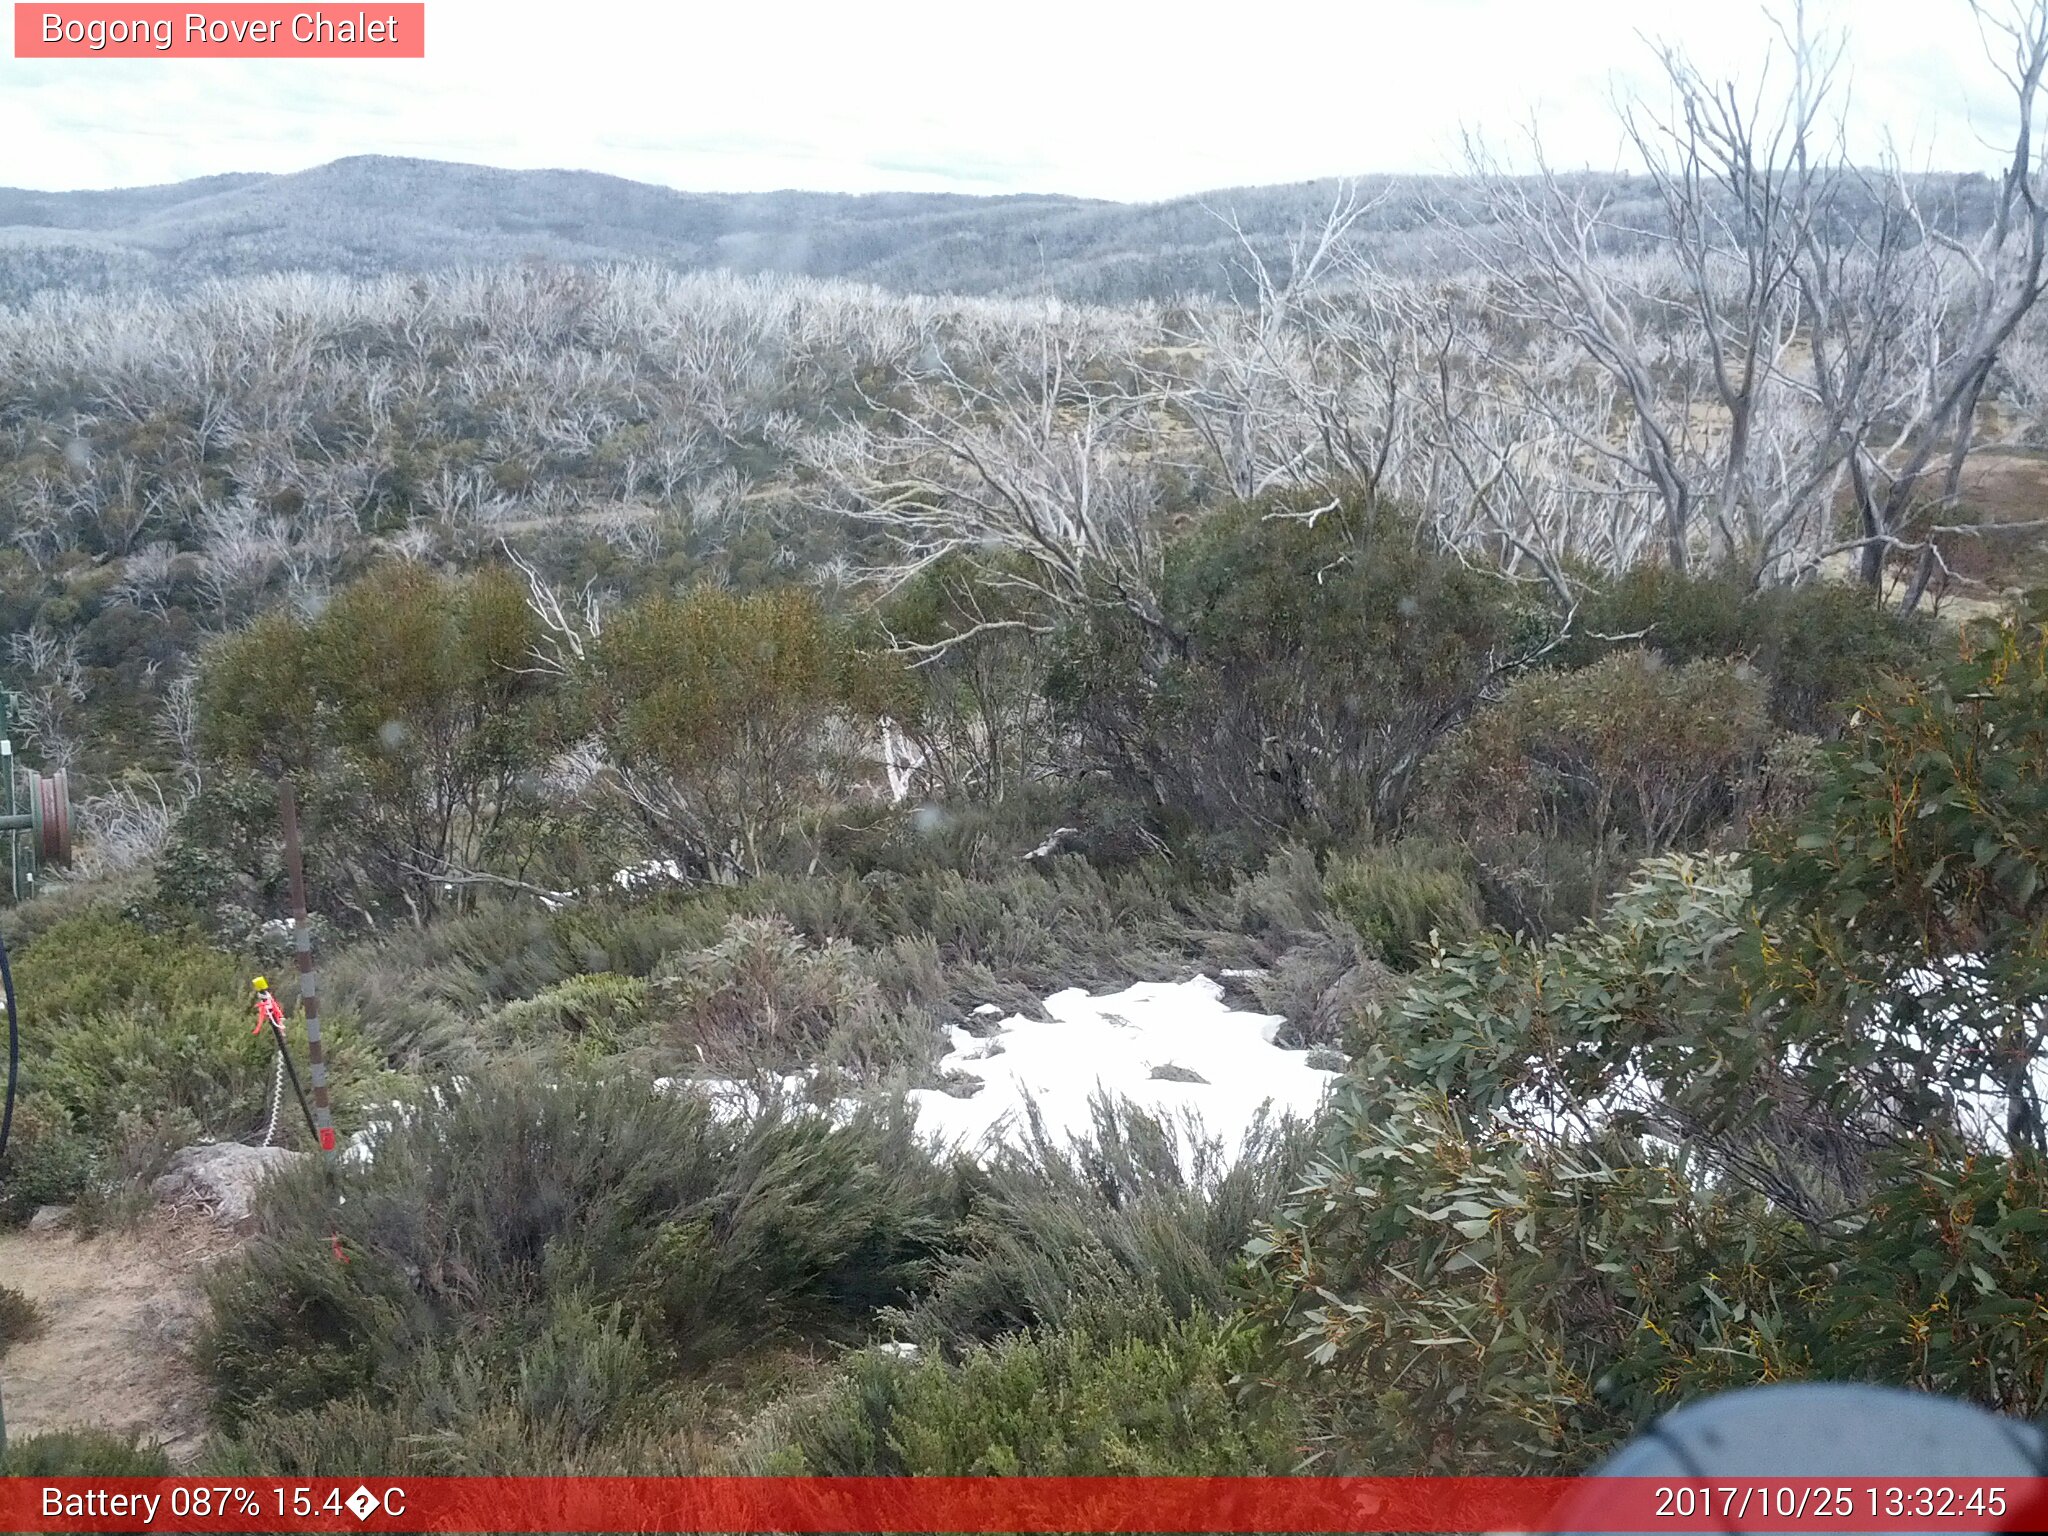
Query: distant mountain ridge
[(369, 215)]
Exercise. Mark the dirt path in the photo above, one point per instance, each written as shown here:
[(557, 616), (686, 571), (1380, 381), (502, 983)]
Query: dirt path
[(120, 1311)]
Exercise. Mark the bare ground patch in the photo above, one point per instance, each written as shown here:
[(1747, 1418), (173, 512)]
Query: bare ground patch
[(121, 1310)]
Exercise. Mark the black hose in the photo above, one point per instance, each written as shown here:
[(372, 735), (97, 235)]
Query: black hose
[(292, 1072), (13, 1048), (7, 1110)]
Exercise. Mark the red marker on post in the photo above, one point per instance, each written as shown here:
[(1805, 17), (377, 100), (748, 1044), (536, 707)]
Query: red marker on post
[(267, 1009)]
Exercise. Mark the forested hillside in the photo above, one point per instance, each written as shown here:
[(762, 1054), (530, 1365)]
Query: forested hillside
[(1547, 675)]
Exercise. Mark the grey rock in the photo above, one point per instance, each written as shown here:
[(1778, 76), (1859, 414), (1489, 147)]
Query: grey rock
[(1240, 987), (171, 1320), (984, 1026), (48, 1218), (221, 1176)]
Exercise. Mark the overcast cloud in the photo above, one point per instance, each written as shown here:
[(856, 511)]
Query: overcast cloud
[(1110, 98)]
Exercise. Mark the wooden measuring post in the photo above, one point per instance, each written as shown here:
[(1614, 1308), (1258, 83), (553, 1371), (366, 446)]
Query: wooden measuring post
[(7, 767), (302, 952)]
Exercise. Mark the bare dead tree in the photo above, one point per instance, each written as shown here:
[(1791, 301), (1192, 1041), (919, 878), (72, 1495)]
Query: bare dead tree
[(125, 826), (565, 637), (178, 722), (52, 674), (238, 558), (2005, 278), (1035, 477), (146, 576), (1310, 382), (1806, 329)]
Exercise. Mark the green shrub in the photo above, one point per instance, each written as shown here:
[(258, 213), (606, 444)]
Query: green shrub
[(1675, 1147), (1909, 949), (1633, 1286), (1539, 884), (126, 1066), (584, 1394), (410, 716), (1284, 899), (1486, 1160), (1627, 750), (1123, 1389), (1307, 664), (712, 1236), (1788, 782), (456, 1424), (1326, 987), (83, 1453), (1400, 896), (599, 1014), (20, 1318), (980, 716), (762, 995), (594, 1361), (1465, 1300), (99, 961), (224, 857), (929, 944), (418, 991), (1140, 1205), (201, 1059), (1819, 646), (48, 1161), (732, 714), (1958, 1242), (112, 1205)]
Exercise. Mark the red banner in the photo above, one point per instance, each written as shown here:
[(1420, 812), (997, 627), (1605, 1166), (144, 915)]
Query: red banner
[(1059, 1506), (222, 31)]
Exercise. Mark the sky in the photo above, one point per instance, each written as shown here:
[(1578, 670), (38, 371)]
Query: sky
[(1126, 99)]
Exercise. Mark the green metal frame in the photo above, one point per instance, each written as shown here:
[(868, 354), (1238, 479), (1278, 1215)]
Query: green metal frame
[(39, 806)]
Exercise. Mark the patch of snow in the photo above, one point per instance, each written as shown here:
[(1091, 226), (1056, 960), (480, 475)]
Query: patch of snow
[(735, 1099), (1980, 1110), (362, 1146), (653, 872), (1091, 1046), (1053, 844), (1088, 1048)]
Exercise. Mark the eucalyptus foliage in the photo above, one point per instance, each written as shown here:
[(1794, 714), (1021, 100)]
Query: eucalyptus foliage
[(1735, 1131)]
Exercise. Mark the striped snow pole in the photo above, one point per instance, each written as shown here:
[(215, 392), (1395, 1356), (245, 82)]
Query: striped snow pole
[(302, 953)]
